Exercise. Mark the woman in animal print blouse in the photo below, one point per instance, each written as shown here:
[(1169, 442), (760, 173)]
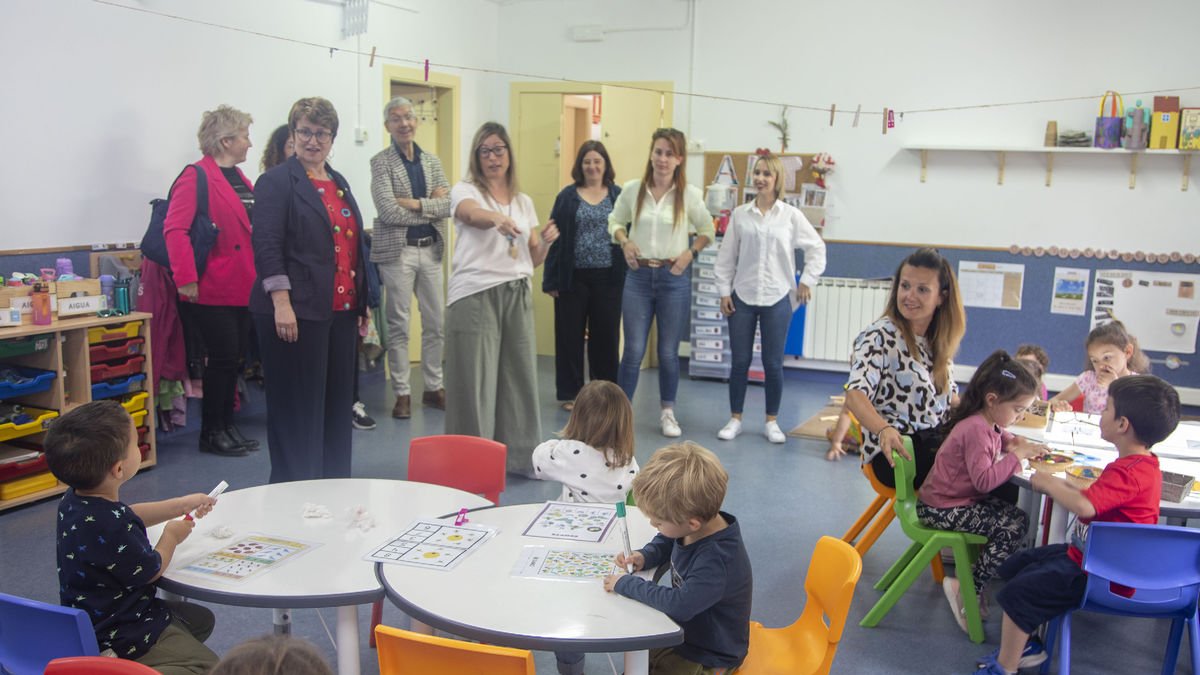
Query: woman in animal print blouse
[(900, 378)]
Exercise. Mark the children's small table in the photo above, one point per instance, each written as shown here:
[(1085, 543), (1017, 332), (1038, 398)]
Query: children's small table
[(482, 599), (333, 572)]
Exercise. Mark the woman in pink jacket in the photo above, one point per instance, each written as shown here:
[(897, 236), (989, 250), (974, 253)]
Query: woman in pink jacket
[(216, 300)]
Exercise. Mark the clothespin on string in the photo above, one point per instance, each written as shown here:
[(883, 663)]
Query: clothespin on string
[(891, 118), (371, 63), (331, 51), (832, 112), (426, 70), (885, 121), (857, 114)]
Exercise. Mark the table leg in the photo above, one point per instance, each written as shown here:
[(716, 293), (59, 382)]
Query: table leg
[(282, 621), (169, 596), (1028, 502), (637, 663), (347, 640), (1058, 524)]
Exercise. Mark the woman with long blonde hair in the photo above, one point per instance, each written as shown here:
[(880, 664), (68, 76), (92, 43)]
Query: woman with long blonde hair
[(651, 221), (900, 379)]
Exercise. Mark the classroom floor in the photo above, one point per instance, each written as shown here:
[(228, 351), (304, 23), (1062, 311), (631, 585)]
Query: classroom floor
[(786, 497)]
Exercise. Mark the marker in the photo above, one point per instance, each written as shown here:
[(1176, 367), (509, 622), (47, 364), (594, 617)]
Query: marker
[(461, 518), (216, 492), (625, 535)]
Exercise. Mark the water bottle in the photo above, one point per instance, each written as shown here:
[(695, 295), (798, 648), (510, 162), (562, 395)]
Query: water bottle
[(121, 296), (41, 305), (64, 266), (106, 288)]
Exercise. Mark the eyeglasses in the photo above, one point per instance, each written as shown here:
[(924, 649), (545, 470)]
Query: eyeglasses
[(395, 119), (495, 150), (305, 134)]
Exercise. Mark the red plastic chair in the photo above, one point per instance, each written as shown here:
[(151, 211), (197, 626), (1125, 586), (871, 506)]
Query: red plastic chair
[(467, 463), (96, 665)]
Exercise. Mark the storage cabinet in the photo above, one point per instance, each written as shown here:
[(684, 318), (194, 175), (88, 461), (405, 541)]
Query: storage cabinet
[(57, 367), (710, 353)]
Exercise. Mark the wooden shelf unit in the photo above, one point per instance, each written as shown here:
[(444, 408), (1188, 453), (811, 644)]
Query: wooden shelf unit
[(1134, 156), (69, 358)]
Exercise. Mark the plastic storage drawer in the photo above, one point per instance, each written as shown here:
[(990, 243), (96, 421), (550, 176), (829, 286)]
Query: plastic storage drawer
[(710, 328), (22, 346), (142, 433), (139, 418), (41, 420), (144, 448), (135, 402), (27, 485), (21, 460), (720, 344), (108, 351), (114, 369), (111, 333), (118, 387), (38, 381), (707, 314)]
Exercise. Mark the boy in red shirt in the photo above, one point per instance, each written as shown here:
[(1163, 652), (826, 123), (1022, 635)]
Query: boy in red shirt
[(1045, 582)]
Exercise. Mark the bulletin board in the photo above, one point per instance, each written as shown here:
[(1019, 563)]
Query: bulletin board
[(1160, 308), (715, 164)]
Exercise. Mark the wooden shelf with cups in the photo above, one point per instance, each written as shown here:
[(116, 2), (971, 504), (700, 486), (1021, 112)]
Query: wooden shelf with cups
[(48, 369), (1135, 157)]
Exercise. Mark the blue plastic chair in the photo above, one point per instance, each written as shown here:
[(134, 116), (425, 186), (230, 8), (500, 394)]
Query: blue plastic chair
[(1161, 562), (32, 634)]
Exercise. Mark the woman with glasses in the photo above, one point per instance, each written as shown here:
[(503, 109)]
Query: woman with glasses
[(490, 374), (651, 221), (585, 273), (309, 301), (215, 303)]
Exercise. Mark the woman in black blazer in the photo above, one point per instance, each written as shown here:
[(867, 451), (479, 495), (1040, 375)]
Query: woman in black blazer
[(309, 300), (585, 273)]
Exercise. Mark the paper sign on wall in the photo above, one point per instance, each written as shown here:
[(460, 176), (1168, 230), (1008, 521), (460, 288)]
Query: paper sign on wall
[(1160, 308), (991, 285), (1069, 295)]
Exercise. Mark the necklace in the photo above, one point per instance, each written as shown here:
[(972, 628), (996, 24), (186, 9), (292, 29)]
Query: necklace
[(512, 241)]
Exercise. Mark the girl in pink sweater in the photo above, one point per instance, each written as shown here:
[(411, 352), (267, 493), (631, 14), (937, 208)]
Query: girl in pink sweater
[(977, 457)]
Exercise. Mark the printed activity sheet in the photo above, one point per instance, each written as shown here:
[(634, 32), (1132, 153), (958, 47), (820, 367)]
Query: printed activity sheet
[(539, 562), (432, 544), (1075, 429), (572, 522), (245, 557)]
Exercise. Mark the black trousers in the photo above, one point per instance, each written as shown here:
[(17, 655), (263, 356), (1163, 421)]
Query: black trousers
[(224, 332), (592, 304), (310, 389)]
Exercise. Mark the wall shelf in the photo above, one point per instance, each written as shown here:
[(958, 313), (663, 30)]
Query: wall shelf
[(1002, 154)]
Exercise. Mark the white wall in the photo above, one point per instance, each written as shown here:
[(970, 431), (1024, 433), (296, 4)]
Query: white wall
[(910, 55), (102, 103)]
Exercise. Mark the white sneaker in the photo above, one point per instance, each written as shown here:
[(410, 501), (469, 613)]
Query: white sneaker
[(774, 433), (670, 427), (731, 429)]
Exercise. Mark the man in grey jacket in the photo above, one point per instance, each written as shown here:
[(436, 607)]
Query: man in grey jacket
[(412, 198)]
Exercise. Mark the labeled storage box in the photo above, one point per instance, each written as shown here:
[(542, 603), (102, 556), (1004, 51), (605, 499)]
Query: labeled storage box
[(33, 380), (27, 485), (39, 422), (116, 332), (113, 369), (109, 351), (118, 387), (23, 346)]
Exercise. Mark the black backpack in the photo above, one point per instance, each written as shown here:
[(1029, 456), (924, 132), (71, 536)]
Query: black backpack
[(203, 232)]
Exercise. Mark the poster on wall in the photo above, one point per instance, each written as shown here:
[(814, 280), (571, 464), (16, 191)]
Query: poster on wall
[(1069, 295), (991, 285), (1160, 308)]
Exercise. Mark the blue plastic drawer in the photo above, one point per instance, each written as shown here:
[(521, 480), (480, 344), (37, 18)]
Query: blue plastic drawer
[(36, 380), (118, 387)]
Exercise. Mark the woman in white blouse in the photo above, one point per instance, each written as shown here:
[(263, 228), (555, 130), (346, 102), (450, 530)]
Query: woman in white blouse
[(756, 276), (651, 221), (491, 378)]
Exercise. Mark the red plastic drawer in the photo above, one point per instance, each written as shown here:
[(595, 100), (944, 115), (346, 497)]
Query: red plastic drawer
[(125, 368), (142, 433), (109, 351), (145, 448), (13, 470)]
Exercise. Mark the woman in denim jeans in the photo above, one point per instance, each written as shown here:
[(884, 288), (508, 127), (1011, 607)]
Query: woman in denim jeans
[(756, 276), (651, 221)]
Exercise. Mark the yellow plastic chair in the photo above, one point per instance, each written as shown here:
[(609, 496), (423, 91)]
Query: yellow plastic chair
[(882, 510), (402, 652), (807, 647)]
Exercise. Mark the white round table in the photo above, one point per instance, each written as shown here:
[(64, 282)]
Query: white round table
[(333, 574), (482, 600)]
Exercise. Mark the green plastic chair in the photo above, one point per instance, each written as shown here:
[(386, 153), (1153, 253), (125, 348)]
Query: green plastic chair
[(927, 543)]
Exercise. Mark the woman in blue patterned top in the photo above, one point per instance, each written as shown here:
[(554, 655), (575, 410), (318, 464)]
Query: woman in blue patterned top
[(585, 273)]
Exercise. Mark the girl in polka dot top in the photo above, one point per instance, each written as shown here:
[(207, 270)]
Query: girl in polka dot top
[(593, 458)]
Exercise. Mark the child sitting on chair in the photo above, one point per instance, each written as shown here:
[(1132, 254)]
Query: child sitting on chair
[(978, 457), (1044, 582), (1038, 362), (593, 459), (273, 655), (680, 490), (1112, 352), (106, 565)]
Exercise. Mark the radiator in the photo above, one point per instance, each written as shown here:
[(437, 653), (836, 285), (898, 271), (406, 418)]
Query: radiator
[(840, 308)]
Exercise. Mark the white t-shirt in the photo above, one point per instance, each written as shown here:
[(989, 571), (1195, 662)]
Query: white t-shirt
[(583, 471), (482, 258)]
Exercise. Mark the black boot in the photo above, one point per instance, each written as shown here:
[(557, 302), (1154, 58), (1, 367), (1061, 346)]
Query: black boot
[(237, 435), (221, 443)]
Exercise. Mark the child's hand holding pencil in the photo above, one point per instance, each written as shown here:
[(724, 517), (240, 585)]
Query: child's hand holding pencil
[(634, 563)]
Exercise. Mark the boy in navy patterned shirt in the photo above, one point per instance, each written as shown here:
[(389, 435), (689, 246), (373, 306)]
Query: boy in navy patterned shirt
[(106, 565)]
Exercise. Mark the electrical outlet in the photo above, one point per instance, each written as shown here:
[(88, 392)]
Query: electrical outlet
[(360, 135), (695, 147)]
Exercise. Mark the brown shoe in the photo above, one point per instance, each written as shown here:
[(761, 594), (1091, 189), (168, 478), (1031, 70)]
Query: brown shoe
[(437, 399), (403, 408)]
